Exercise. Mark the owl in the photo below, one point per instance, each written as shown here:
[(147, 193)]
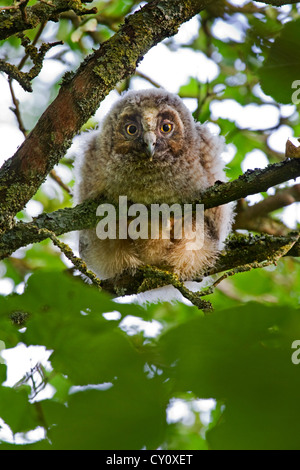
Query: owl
[(150, 149)]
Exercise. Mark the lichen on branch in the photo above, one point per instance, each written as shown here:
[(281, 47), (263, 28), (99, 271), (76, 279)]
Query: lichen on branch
[(242, 253), (20, 17), (37, 57)]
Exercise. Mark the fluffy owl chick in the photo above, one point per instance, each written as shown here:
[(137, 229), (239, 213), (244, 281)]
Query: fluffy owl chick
[(151, 150)]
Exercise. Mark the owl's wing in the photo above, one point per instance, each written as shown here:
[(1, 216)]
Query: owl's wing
[(89, 179), (211, 148)]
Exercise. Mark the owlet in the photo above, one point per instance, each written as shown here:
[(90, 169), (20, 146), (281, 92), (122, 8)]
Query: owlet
[(151, 150)]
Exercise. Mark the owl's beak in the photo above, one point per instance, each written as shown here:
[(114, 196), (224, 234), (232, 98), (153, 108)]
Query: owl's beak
[(150, 142)]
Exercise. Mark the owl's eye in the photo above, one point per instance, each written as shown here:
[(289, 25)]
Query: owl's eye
[(131, 129), (166, 128)]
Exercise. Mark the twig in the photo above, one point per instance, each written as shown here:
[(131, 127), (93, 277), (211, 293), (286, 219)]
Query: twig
[(255, 265), (16, 109), (247, 8), (59, 181), (17, 5), (37, 36), (66, 250), (37, 58), (166, 277), (19, 17), (148, 79), (282, 198)]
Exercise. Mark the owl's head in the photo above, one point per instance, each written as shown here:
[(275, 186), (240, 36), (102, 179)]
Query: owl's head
[(149, 126)]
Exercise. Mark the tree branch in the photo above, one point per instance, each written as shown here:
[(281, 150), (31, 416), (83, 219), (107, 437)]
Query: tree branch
[(245, 249), (58, 222), (80, 95), (256, 217), (240, 251), (66, 250), (19, 17), (84, 215), (251, 182), (281, 198), (25, 78)]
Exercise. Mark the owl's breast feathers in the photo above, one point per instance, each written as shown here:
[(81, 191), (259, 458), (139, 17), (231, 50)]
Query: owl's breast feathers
[(144, 181)]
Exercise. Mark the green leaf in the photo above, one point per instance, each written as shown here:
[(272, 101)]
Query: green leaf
[(242, 356), (117, 9), (16, 411), (129, 415), (2, 371), (191, 89), (66, 316), (282, 67)]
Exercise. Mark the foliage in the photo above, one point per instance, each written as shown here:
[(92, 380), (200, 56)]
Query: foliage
[(107, 386), (282, 65), (240, 356)]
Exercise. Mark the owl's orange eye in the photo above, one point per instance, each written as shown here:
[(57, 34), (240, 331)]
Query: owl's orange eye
[(131, 129), (166, 128)]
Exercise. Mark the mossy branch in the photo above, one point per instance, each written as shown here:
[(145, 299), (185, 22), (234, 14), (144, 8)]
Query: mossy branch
[(84, 215), (242, 253), (19, 17), (37, 57), (251, 182), (66, 250)]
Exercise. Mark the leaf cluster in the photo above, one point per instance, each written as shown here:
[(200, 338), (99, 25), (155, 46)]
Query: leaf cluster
[(111, 389)]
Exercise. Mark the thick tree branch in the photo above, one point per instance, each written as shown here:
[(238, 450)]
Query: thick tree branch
[(251, 182), (84, 215), (80, 95), (58, 222)]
